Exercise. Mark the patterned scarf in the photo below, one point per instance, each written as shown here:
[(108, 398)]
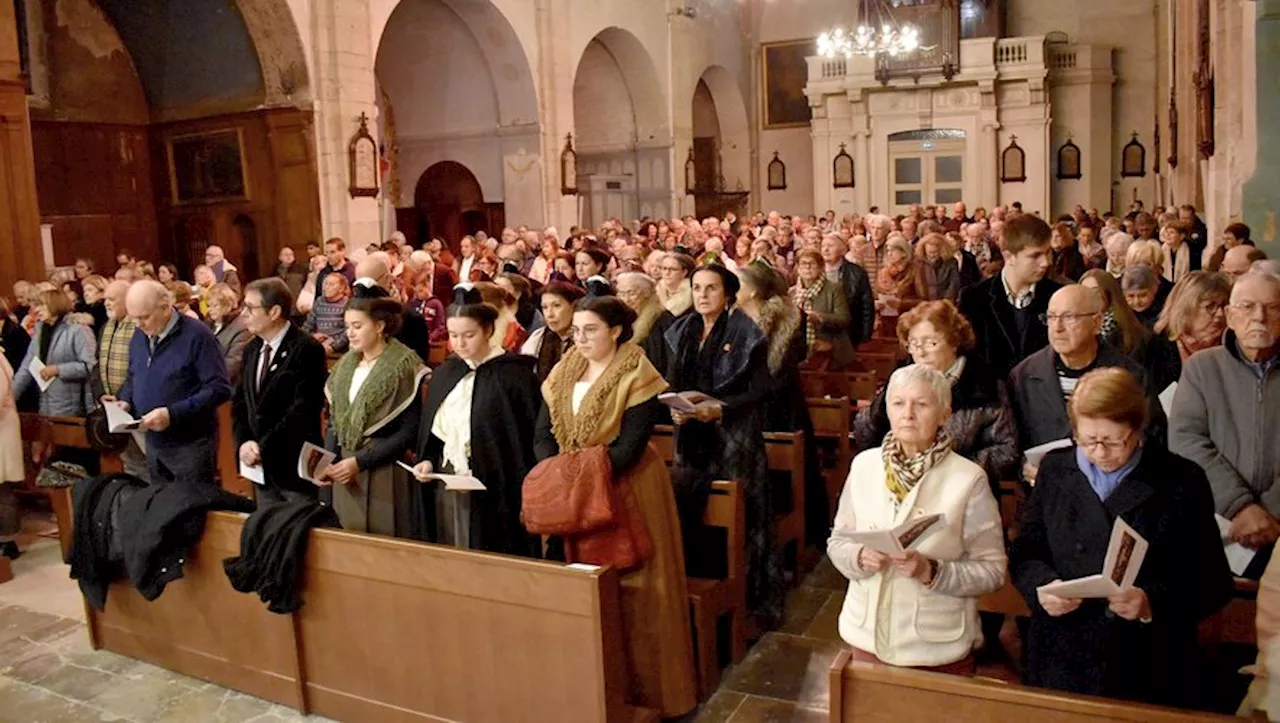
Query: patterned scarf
[(903, 473), (1110, 326), (803, 298)]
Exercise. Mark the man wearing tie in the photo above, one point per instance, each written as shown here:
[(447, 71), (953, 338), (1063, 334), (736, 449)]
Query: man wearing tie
[(277, 403)]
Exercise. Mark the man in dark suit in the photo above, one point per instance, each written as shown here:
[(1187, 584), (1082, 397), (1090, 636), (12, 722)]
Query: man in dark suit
[(854, 283), (1005, 309), (277, 403)]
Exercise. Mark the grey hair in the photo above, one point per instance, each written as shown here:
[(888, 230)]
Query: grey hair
[(1266, 266), (641, 278), (1270, 280), (921, 374)]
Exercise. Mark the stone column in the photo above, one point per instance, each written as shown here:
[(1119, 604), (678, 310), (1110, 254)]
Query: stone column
[(21, 256), (344, 87), (1261, 195)]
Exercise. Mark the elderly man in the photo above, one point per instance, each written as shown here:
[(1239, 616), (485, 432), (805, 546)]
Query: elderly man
[(223, 271), (175, 381), (652, 318), (414, 333), (1042, 383), (854, 283), (959, 217), (871, 256), (1237, 261), (277, 403), (1226, 411), (1006, 309), (113, 363)]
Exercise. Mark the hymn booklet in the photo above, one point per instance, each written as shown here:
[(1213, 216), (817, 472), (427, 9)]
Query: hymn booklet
[(893, 541), (688, 402), (1125, 553), (313, 461)]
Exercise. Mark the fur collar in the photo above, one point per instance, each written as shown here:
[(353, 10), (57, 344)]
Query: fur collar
[(645, 320), (780, 321)]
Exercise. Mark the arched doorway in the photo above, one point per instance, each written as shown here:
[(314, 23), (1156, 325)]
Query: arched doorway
[(448, 204), (621, 132), (464, 96), (721, 145)]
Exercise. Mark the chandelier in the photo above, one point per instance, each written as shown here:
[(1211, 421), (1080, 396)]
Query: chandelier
[(890, 38)]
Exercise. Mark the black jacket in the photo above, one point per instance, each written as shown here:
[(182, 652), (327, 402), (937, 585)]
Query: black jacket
[(94, 563), (415, 334), (159, 525), (654, 345), (970, 274), (987, 307), (1064, 533), (285, 412), (1041, 411), (862, 304), (273, 551), (1068, 265)]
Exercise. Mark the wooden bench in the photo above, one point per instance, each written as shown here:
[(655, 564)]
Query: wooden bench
[(867, 693), (437, 354), (712, 599), (831, 423), (881, 363), (391, 630), (785, 453), (880, 345), (855, 385)]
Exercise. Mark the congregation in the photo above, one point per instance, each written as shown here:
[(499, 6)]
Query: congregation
[(1142, 351)]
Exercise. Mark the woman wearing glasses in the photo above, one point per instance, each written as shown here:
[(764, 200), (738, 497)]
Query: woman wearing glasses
[(981, 424), (1194, 318), (1138, 644), (825, 313), (673, 286)]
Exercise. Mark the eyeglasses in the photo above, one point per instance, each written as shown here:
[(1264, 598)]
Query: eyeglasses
[(1068, 319), (928, 343), (1108, 445), (586, 331), (1213, 307), (1249, 308)]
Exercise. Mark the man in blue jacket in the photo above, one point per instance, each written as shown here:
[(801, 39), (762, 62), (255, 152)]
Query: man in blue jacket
[(176, 380)]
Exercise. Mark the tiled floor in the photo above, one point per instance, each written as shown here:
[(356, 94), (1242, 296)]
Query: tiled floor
[(49, 673)]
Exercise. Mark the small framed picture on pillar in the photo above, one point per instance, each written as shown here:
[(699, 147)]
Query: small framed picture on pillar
[(362, 157), (842, 169)]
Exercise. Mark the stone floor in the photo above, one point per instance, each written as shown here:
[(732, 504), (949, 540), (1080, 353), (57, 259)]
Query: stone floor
[(49, 674)]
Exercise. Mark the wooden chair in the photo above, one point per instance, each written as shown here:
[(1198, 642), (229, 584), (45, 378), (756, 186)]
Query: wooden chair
[(831, 423), (785, 453), (711, 599), (866, 692)]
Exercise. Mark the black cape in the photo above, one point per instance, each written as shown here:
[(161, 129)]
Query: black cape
[(504, 408)]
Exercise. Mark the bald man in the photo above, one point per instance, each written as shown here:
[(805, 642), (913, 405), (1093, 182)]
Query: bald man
[(1043, 382), (1237, 260), (175, 381), (223, 271), (414, 332)]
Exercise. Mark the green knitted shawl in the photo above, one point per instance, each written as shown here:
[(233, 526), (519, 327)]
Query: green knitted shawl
[(389, 372)]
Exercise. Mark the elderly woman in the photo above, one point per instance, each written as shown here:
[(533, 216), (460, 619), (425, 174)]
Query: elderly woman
[(719, 351), (673, 286), (228, 326), (652, 319), (824, 311), (1117, 245), (1139, 643), (980, 426), (1194, 318), (917, 608), (1151, 255), (1067, 264), (63, 345), (899, 285), (936, 261)]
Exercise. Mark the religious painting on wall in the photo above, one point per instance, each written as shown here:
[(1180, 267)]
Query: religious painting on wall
[(784, 73), (208, 167), (1013, 163), (1133, 159), (1069, 161)]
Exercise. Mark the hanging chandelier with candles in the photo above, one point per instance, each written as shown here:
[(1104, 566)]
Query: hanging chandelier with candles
[(877, 32)]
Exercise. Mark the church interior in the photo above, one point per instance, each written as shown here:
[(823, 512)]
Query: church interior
[(160, 130)]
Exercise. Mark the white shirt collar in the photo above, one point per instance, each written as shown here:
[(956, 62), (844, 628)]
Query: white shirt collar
[(276, 341), (494, 353)]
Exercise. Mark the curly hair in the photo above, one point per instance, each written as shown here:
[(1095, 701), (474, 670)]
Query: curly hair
[(946, 318)]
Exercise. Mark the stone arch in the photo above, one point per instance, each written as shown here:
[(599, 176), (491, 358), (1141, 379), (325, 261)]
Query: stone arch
[(448, 200), (730, 113), (280, 53), (466, 94), (617, 93)]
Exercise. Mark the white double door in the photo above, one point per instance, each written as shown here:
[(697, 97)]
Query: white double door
[(925, 173)]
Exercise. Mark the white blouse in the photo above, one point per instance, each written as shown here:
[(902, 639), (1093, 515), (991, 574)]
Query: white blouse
[(580, 390), (452, 423), (358, 378)]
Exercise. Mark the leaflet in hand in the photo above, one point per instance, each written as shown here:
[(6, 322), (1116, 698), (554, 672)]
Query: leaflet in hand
[(1124, 558), (1036, 454), (312, 463), (894, 541), (253, 473), (1238, 556), (36, 366), (688, 402), (1166, 397), (119, 420), (452, 482)]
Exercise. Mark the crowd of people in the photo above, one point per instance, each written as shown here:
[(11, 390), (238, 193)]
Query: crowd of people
[(1144, 347)]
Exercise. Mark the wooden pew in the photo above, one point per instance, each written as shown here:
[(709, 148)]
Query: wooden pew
[(880, 345), (867, 693), (711, 599), (785, 453), (881, 363), (391, 630), (855, 385), (831, 422), (229, 456), (437, 354)]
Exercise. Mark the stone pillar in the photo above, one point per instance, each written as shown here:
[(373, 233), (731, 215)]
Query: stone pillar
[(21, 256), (344, 87), (862, 170), (1261, 195)]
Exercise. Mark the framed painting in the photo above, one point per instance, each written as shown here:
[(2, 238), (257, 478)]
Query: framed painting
[(208, 167), (784, 73)]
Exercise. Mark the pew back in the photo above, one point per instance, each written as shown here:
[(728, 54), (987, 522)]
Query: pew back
[(868, 693)]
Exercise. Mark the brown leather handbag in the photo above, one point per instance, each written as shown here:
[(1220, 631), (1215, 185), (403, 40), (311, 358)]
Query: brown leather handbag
[(569, 493)]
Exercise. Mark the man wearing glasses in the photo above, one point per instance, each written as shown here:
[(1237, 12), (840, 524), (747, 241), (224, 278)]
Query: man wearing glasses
[(1041, 385), (1226, 411)]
